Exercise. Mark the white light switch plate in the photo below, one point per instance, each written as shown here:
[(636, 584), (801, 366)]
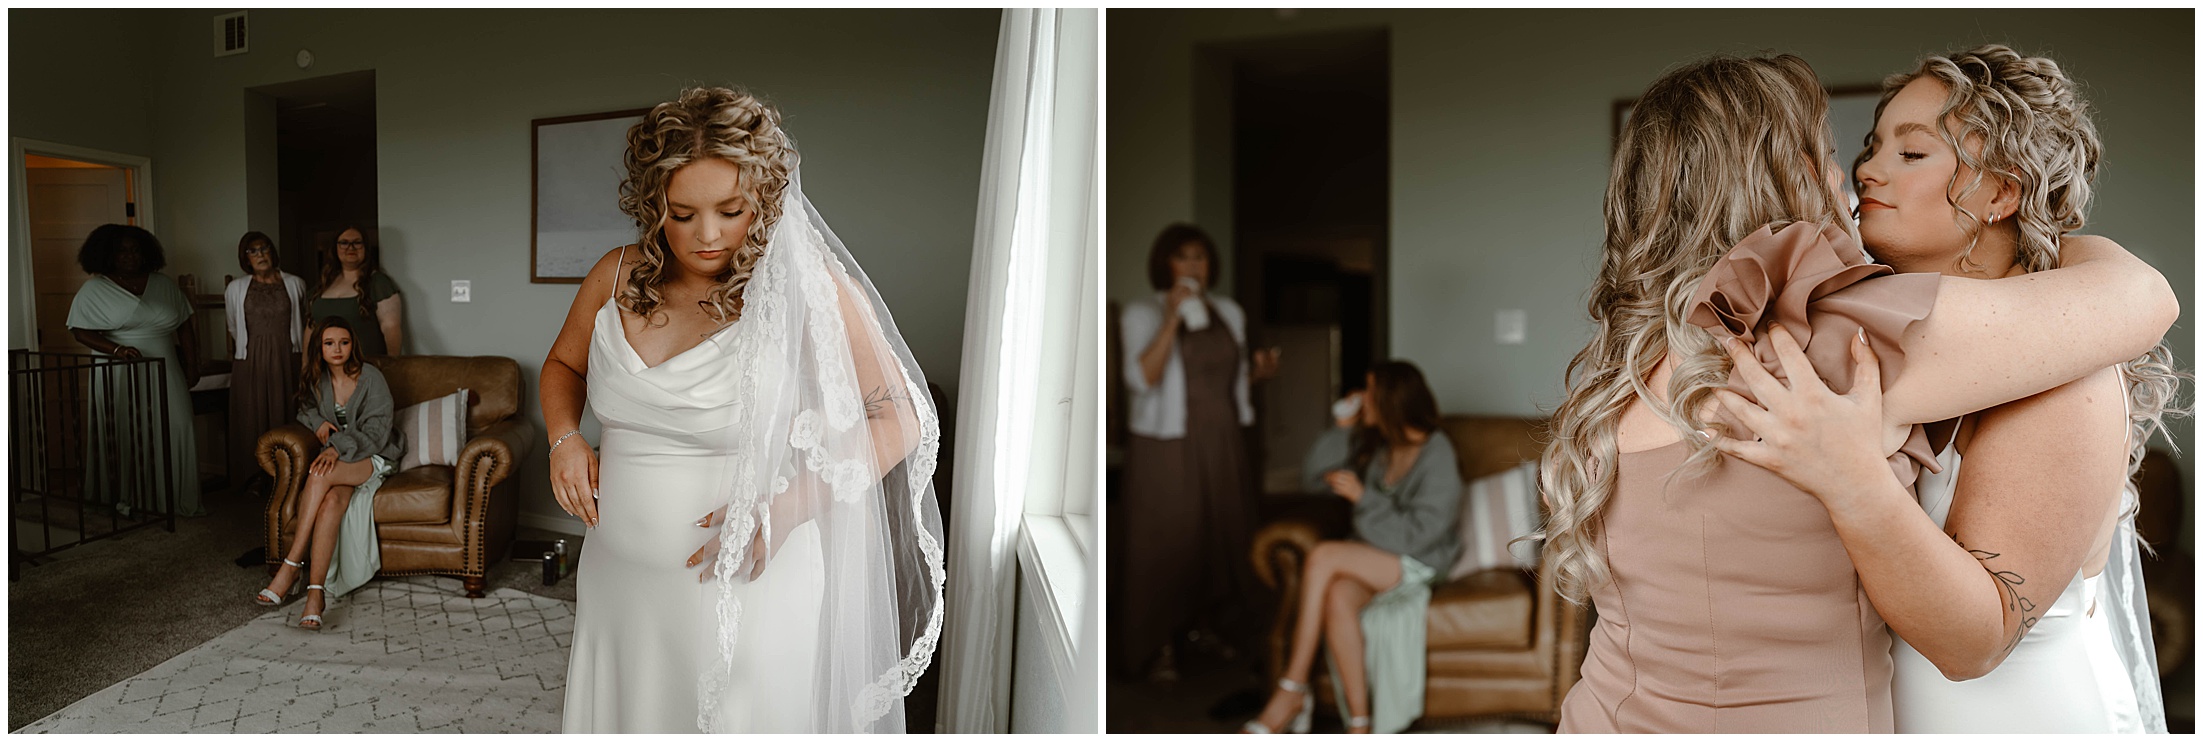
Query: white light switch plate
[(462, 291), (1513, 326)]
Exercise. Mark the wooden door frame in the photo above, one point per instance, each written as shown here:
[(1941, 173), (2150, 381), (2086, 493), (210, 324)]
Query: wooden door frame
[(19, 213)]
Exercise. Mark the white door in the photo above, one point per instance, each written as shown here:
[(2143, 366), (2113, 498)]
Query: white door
[(66, 204)]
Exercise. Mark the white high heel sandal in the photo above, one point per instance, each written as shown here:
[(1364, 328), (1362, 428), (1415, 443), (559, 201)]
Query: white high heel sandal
[(1301, 722), (315, 617), (268, 599)]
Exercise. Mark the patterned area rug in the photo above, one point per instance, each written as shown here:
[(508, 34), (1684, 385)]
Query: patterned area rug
[(399, 655)]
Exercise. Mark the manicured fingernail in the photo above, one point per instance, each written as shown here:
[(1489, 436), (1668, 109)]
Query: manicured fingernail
[(704, 522), (1705, 435), (1862, 336)]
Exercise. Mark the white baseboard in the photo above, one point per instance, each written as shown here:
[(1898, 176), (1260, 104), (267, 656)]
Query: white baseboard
[(560, 523)]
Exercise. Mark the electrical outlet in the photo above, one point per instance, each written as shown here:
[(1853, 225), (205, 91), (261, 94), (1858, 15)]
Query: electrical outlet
[(462, 291), (1513, 326)]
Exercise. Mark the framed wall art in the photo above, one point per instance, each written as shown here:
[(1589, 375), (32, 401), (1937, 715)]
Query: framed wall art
[(574, 194)]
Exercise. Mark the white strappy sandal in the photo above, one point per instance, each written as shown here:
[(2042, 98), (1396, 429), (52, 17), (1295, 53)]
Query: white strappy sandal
[(1357, 722), (1301, 722), (268, 599), (314, 617)]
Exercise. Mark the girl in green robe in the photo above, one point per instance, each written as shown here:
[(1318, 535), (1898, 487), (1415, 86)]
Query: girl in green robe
[(348, 406)]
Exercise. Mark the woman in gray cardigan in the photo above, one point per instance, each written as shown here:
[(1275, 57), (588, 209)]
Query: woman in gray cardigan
[(1367, 597), (348, 405)]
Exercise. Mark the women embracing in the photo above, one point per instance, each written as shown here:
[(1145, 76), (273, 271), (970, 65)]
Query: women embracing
[(1726, 598)]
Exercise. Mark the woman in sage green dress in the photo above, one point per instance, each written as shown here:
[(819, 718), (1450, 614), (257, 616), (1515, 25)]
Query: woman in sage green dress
[(1366, 598), (130, 310), (348, 406)]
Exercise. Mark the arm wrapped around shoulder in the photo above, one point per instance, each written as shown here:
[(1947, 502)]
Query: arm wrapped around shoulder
[(1816, 282)]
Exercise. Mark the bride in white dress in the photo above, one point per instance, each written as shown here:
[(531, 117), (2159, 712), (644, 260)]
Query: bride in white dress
[(2013, 585), (764, 552)]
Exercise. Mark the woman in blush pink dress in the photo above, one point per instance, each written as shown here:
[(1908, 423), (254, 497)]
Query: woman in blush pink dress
[(1726, 601)]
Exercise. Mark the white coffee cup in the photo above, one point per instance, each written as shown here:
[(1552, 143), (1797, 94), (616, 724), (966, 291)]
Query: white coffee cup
[(1347, 407), (1193, 310)]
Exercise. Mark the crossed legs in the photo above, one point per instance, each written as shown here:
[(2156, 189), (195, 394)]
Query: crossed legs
[(320, 511), (1339, 579)]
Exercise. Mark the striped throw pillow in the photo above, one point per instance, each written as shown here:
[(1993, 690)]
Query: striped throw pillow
[(434, 430), (1498, 509)]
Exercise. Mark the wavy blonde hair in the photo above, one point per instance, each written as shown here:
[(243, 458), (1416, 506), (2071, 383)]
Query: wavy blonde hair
[(2034, 131), (1713, 151), (731, 125)]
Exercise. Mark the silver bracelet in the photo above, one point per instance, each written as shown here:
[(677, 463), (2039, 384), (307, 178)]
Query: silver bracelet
[(561, 439)]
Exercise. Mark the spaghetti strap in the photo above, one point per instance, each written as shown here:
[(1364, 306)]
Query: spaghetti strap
[(618, 272), (2126, 406)]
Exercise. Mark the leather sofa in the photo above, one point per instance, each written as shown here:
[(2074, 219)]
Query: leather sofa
[(432, 520), (1500, 646)]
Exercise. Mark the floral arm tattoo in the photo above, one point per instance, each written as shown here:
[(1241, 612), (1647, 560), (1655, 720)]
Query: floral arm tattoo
[(879, 402), (2009, 582)]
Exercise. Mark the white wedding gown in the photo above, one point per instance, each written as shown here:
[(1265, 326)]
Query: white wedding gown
[(2066, 676), (643, 626)]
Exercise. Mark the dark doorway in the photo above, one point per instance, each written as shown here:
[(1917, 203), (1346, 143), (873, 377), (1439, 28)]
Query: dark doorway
[(325, 163), (1311, 205)]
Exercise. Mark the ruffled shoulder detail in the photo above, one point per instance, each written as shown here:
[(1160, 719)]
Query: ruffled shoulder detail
[(1816, 281)]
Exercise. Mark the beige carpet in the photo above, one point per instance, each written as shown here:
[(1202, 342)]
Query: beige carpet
[(399, 655)]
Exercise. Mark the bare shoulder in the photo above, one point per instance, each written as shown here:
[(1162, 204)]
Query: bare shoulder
[(2086, 239), (2089, 244), (603, 279)]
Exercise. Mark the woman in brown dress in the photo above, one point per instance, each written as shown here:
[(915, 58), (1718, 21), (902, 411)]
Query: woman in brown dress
[(1188, 508), (1725, 598), (263, 311)]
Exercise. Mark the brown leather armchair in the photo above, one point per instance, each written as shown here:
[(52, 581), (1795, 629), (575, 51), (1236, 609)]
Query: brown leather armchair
[(432, 520), (1499, 645)]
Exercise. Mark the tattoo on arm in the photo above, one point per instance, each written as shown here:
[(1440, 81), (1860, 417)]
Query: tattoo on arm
[(2009, 582), (878, 402)]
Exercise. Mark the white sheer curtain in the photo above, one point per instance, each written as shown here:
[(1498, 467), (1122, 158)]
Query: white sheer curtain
[(1036, 215)]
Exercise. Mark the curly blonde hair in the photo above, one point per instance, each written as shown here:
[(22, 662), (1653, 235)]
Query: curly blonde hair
[(1713, 151), (731, 125), (2034, 131)]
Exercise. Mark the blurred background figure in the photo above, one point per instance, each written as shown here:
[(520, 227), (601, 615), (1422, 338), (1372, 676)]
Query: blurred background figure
[(1187, 508), (1364, 597)]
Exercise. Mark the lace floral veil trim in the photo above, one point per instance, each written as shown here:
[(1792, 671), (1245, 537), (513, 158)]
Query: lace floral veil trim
[(807, 438)]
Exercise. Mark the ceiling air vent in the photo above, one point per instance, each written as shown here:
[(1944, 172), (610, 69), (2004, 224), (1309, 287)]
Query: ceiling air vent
[(229, 34)]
